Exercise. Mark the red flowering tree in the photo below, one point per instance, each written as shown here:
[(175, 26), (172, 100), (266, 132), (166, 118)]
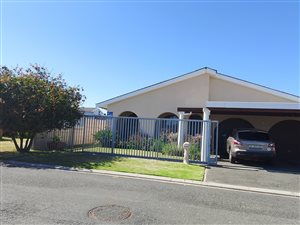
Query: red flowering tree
[(33, 101)]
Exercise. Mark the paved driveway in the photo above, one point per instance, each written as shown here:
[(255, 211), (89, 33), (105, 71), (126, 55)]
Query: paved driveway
[(255, 174)]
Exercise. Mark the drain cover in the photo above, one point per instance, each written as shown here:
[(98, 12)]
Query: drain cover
[(110, 213)]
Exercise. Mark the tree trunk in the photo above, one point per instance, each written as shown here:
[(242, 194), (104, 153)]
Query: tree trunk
[(16, 144), (28, 144), (26, 147)]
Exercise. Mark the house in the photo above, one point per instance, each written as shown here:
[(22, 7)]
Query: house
[(206, 94), (88, 111)]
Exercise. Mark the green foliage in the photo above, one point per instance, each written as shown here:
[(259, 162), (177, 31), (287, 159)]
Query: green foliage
[(172, 149), (31, 101), (104, 137), (139, 141), (195, 152), (56, 144), (56, 139), (157, 145), (169, 137), (195, 147)]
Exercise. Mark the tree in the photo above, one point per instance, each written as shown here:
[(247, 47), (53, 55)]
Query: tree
[(32, 101)]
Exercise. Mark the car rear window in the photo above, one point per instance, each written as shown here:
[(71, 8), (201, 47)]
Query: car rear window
[(253, 136)]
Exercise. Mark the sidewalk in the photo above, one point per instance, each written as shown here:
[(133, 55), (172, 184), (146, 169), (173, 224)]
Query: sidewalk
[(160, 179)]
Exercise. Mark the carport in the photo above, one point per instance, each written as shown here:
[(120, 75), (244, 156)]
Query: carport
[(281, 120)]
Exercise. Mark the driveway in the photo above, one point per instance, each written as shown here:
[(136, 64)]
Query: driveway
[(256, 174)]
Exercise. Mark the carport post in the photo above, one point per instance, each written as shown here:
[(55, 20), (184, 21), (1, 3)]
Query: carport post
[(180, 130), (114, 130), (205, 145)]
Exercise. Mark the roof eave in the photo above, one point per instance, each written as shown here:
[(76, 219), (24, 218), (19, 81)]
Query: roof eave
[(199, 72), (257, 87), (205, 70), (253, 105)]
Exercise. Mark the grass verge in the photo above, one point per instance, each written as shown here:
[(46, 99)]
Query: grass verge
[(104, 162), (7, 145)]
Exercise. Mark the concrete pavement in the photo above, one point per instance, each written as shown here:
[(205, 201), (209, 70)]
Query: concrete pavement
[(256, 175)]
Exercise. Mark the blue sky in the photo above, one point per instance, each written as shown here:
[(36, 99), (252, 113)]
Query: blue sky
[(113, 47)]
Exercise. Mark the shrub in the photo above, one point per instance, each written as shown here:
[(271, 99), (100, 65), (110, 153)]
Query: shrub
[(195, 152), (195, 147), (169, 137), (56, 144), (136, 141), (104, 138), (156, 145), (172, 150)]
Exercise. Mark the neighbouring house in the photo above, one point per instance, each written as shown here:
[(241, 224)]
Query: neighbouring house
[(206, 94), (89, 111)]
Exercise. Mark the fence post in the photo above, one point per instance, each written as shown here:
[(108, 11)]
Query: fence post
[(217, 141), (83, 134), (205, 135), (208, 144), (157, 136), (180, 130), (114, 125), (72, 138)]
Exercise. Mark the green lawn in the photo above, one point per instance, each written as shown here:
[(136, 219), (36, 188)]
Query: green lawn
[(97, 161), (121, 164), (7, 145)]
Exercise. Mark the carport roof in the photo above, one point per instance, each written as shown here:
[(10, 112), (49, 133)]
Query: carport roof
[(248, 108)]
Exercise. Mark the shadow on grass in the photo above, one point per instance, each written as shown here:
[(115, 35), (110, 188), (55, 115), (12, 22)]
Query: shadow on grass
[(66, 159)]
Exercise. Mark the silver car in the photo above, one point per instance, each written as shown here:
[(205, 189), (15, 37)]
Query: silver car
[(250, 144)]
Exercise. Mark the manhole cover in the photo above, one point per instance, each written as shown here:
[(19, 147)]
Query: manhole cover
[(110, 213)]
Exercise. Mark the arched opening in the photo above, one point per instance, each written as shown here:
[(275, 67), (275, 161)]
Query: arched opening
[(126, 127), (128, 114), (168, 115), (168, 123), (225, 129), (194, 127), (285, 134)]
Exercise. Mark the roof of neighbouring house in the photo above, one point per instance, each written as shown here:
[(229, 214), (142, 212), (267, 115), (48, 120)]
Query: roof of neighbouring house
[(87, 109)]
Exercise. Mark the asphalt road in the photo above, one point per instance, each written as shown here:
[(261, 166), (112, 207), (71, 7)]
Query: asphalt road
[(48, 196)]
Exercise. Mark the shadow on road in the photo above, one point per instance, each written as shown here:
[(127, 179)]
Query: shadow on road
[(274, 167)]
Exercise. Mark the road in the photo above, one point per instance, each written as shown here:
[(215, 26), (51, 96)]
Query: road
[(48, 196)]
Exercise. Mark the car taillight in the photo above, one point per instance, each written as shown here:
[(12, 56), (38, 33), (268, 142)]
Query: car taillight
[(235, 142)]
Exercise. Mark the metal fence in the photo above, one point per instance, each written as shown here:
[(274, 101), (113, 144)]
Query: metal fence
[(136, 137)]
